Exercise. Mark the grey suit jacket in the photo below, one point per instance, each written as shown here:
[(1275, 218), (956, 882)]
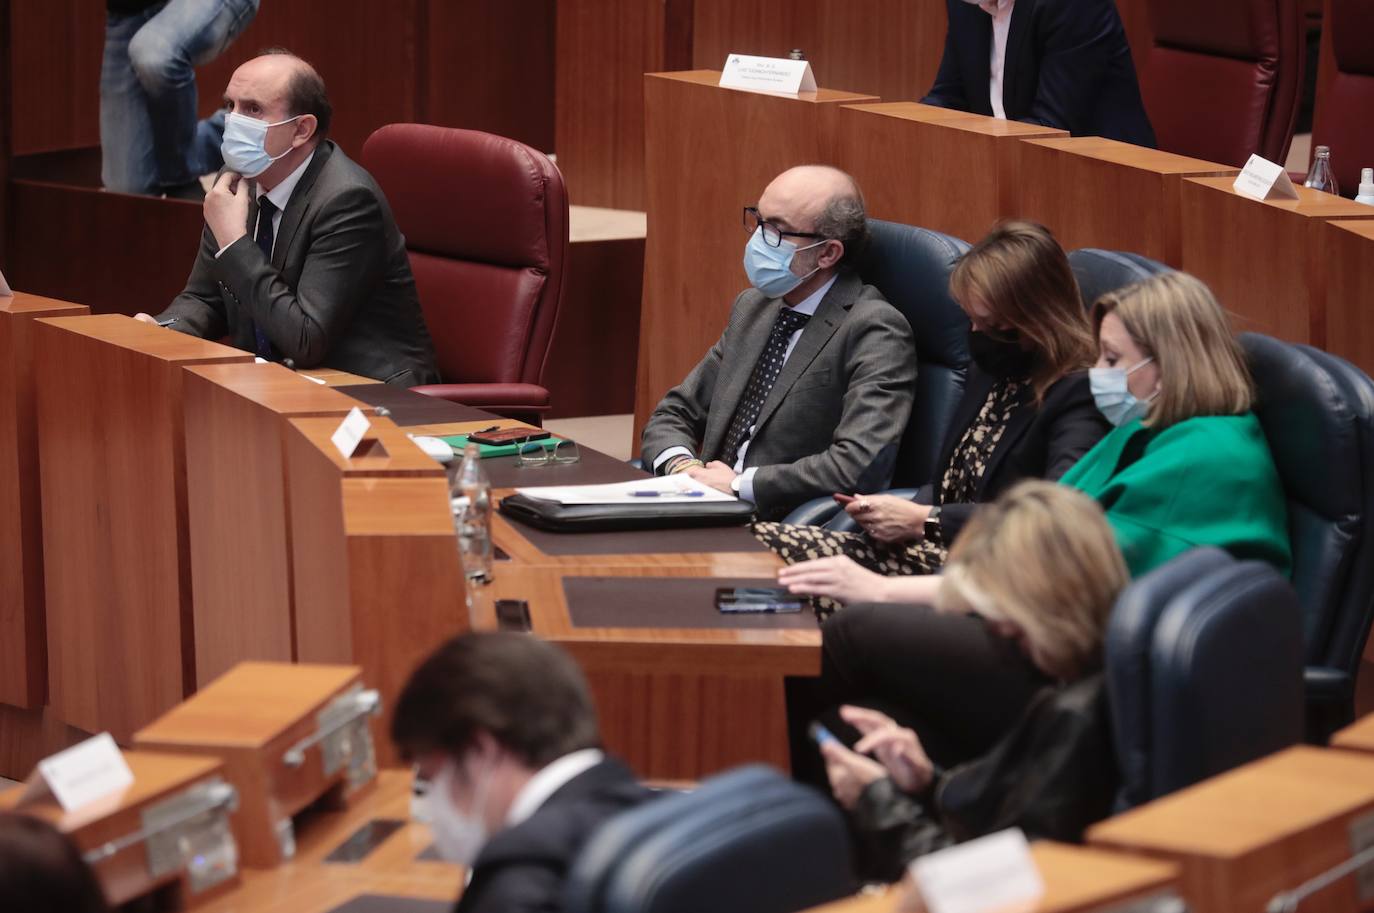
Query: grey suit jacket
[(834, 418), (338, 291)]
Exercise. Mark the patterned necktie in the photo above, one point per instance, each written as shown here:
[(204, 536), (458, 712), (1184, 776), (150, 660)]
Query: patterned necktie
[(761, 382), (264, 237)]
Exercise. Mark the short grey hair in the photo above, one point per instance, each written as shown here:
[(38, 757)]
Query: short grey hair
[(845, 219)]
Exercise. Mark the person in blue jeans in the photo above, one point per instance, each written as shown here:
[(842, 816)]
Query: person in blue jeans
[(152, 141)]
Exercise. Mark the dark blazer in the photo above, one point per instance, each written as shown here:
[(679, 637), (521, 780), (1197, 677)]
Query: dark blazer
[(835, 415), (338, 291), (522, 869), (1067, 65), (1041, 442)]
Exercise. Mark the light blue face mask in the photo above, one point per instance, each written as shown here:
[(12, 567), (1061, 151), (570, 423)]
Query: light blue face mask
[(1113, 396), (244, 146), (770, 268)]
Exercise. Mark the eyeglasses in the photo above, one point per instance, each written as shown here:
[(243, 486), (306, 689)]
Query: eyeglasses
[(772, 235), (533, 454)]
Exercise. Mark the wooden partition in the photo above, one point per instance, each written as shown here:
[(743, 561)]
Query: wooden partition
[(944, 170), (378, 582), (236, 488), (1095, 192), (23, 641), (112, 460), (711, 152), (1267, 262), (1347, 252)]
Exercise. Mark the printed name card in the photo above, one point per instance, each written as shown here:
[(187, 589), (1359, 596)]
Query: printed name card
[(4, 287), (993, 873), (1264, 180), (80, 775), (351, 431), (767, 74)]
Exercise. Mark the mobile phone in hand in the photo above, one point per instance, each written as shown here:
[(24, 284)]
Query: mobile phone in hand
[(820, 735)]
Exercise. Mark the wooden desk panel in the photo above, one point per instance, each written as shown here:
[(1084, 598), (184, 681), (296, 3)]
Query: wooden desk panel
[(709, 153), (944, 170), (117, 581), (23, 641), (236, 490), (1348, 255), (1246, 835), (1095, 192), (1358, 736), (1266, 262)]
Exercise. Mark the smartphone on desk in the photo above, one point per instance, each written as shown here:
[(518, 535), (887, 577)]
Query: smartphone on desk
[(761, 599), (507, 436)]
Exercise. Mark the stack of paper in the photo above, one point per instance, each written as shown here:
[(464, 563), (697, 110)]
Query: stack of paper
[(649, 492)]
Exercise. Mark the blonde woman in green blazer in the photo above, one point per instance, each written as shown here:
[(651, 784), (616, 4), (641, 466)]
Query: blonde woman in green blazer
[(1188, 464)]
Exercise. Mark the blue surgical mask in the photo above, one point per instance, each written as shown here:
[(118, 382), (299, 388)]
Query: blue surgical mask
[(244, 146), (770, 268), (1113, 396)]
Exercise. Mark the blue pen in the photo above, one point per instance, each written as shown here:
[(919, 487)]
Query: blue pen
[(667, 494)]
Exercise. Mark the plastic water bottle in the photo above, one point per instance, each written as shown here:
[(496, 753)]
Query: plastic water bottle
[(1320, 177), (470, 498), (1366, 187)]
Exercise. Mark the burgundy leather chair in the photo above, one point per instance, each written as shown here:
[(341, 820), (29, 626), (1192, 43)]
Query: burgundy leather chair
[(486, 223), (1222, 78), (1344, 115)]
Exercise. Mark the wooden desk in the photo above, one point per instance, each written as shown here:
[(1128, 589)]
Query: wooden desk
[(1267, 262), (709, 152), (118, 577), (945, 170), (1095, 192), (1348, 255), (23, 644), (1263, 828), (1358, 736)]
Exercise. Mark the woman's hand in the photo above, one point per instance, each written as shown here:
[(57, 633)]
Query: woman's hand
[(888, 518), (839, 577), (896, 747), (850, 773)]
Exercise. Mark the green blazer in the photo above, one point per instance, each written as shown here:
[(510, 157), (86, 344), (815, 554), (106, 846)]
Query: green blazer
[(1205, 481)]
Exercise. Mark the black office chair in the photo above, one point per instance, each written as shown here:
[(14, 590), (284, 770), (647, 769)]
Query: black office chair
[(911, 267), (1317, 412), (1204, 671), (1101, 271), (746, 841)]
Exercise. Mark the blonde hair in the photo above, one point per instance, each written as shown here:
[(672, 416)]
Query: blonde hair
[(1022, 275), (1174, 319), (1042, 557)]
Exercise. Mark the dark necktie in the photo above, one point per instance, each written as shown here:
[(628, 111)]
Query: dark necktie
[(761, 382), (264, 236)]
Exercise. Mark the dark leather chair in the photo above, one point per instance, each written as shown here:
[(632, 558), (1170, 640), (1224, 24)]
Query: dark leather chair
[(1204, 671), (911, 267), (1345, 91), (1101, 271), (486, 222), (746, 841), (1222, 79), (1318, 416)]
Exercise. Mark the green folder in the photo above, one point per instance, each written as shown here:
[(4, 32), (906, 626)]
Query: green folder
[(459, 443)]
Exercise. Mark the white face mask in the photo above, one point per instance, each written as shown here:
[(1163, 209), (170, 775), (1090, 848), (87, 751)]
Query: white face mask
[(458, 836)]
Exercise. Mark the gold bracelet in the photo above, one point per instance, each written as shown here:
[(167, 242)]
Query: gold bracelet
[(682, 463)]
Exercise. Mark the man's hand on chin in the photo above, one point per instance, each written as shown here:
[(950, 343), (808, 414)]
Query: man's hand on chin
[(716, 474), (226, 209)]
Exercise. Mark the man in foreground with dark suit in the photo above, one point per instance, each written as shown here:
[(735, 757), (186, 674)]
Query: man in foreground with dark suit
[(808, 390), (1058, 63), (502, 727), (301, 260)]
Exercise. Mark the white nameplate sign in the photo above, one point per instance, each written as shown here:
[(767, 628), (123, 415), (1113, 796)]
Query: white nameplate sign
[(993, 873), (1264, 180), (4, 287), (80, 775), (351, 431), (767, 74)]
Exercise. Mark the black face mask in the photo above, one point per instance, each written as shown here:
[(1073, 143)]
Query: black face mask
[(1000, 356)]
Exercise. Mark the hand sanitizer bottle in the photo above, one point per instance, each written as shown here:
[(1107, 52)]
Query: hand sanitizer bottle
[(1366, 187)]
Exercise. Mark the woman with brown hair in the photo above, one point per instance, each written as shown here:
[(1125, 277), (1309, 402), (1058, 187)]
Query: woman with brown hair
[(40, 869), (1026, 412)]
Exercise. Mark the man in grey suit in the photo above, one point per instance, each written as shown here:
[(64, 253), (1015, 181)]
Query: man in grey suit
[(301, 261), (808, 390)]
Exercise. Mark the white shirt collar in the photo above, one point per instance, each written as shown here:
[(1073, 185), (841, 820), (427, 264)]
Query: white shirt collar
[(281, 194), (550, 780), (812, 301)]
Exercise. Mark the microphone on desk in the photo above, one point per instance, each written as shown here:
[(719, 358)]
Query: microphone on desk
[(1289, 901)]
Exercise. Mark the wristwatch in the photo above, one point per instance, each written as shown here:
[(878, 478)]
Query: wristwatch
[(932, 524)]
